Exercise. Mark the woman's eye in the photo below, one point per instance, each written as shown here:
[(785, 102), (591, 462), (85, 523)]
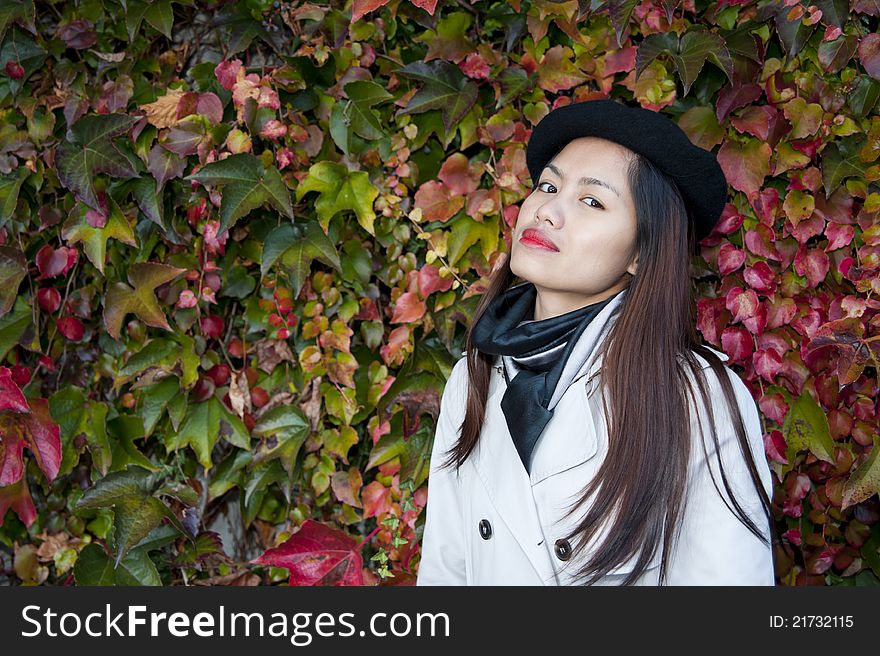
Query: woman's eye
[(598, 205)]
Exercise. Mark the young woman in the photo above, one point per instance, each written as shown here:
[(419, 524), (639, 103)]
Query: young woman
[(588, 437)]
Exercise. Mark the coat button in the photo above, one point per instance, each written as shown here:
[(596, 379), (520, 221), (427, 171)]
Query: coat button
[(485, 529), (563, 549)]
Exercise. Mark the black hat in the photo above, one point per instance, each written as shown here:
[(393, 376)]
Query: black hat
[(695, 170)]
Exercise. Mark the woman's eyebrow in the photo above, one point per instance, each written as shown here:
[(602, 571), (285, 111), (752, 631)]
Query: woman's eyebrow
[(586, 180)]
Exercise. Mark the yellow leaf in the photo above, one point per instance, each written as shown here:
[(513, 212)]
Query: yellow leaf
[(163, 112)]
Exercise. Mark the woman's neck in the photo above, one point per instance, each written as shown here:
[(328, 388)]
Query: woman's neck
[(552, 304)]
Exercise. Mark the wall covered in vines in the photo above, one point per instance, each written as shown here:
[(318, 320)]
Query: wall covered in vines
[(241, 242)]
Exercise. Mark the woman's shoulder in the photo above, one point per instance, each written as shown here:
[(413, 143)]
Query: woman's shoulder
[(704, 363)]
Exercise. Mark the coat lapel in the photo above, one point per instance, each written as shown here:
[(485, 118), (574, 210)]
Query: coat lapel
[(499, 467)]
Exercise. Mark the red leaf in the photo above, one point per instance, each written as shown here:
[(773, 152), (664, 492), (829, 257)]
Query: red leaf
[(49, 299), (457, 174), (408, 308), (34, 430), (766, 204), (760, 277), (742, 303), (760, 242), (212, 326), (737, 343), (430, 281), (814, 264), (361, 7), (72, 328), (18, 497), (774, 447), (774, 407), (51, 262), (711, 319), (11, 398), (227, 72), (21, 375), (768, 364), (869, 54), (317, 554), (839, 235), (730, 258), (745, 165), (437, 201), (376, 498), (427, 5), (733, 97), (730, 220), (780, 312)]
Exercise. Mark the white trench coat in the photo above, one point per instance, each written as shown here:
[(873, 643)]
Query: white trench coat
[(493, 523)]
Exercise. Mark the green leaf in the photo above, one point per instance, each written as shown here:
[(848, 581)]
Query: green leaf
[(18, 46), (688, 55), (148, 200), (140, 301), (90, 150), (16, 327), (340, 189), (134, 518), (9, 188), (93, 567), (295, 247), (204, 424), (228, 473), (67, 407), (466, 232), (93, 425), (362, 95), (247, 184), (17, 11), (446, 88), (137, 509), (158, 352), (288, 429), (116, 486), (158, 13), (94, 240), (155, 401), (161, 16), (125, 430), (840, 160), (257, 480), (415, 457), (806, 427), (864, 482), (794, 34), (13, 268)]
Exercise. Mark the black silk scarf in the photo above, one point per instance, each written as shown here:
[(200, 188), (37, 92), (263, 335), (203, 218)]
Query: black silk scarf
[(540, 350)]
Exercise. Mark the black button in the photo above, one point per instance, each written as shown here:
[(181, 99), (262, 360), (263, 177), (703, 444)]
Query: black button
[(563, 549), (485, 529)]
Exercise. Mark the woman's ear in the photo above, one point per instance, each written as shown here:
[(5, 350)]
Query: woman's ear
[(633, 265)]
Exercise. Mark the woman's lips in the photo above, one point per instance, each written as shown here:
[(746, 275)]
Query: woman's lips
[(535, 239)]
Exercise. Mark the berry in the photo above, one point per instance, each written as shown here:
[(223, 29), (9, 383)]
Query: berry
[(14, 70)]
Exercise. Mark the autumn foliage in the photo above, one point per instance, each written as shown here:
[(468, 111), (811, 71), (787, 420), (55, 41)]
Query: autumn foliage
[(241, 242)]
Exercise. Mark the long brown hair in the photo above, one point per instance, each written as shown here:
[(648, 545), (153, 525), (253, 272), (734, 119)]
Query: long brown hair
[(648, 363)]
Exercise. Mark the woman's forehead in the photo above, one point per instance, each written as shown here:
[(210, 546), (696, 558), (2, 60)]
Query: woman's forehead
[(597, 147)]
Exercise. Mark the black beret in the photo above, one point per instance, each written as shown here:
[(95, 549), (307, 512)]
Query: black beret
[(694, 170)]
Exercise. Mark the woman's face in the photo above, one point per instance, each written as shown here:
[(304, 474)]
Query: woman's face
[(582, 206)]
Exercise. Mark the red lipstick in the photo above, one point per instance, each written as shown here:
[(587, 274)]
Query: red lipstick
[(537, 239)]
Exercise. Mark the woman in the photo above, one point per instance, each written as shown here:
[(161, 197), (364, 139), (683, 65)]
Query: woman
[(588, 437)]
